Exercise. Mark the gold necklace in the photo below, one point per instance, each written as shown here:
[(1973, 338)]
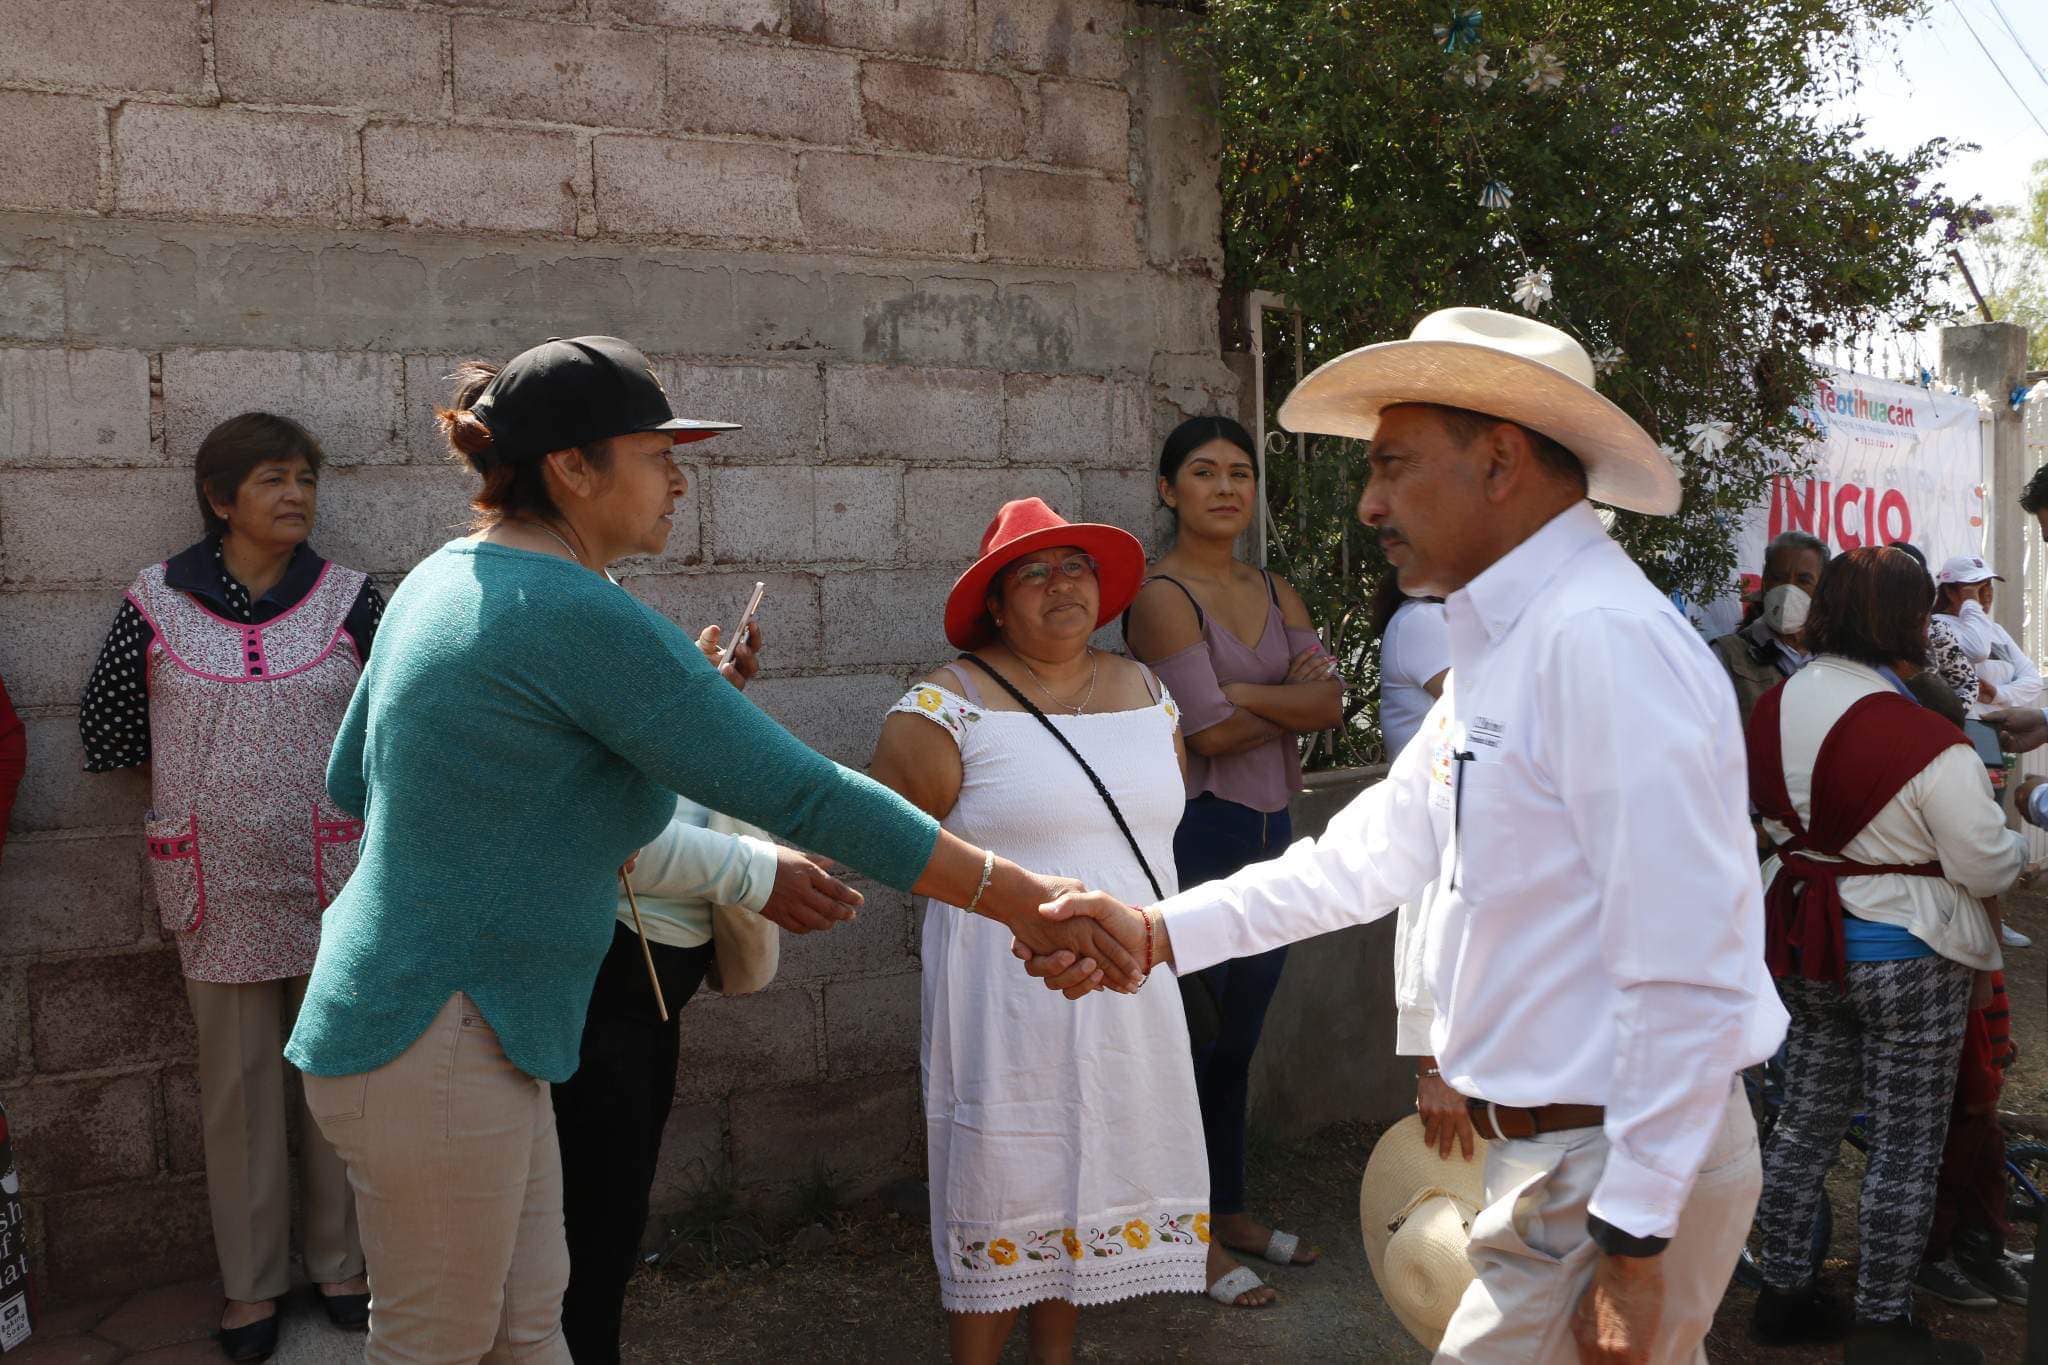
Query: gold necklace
[(1086, 697)]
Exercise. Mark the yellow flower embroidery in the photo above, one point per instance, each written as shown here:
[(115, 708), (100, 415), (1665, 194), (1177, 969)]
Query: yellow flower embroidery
[(1003, 1251), (928, 699), (1073, 1244), (1202, 1228), (1137, 1235)]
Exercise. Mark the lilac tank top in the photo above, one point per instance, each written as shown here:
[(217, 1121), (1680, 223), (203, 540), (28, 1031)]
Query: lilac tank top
[(1267, 777)]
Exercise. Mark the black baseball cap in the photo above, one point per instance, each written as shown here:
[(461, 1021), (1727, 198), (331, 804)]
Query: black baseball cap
[(576, 391)]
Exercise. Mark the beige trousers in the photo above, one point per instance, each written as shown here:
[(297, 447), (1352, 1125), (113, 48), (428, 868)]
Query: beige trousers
[(242, 1105), (1534, 1257), (458, 1182)]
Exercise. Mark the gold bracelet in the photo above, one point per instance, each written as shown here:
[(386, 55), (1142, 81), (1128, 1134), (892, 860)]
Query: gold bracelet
[(988, 871)]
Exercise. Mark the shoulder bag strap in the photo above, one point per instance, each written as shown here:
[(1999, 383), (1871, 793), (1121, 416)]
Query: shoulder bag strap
[(1100, 790)]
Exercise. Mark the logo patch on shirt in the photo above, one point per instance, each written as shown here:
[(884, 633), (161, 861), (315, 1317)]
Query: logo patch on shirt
[(1485, 730)]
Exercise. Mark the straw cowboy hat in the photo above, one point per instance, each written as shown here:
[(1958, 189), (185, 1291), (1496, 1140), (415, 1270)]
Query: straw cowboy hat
[(1026, 526), (1505, 366), (1416, 1209)]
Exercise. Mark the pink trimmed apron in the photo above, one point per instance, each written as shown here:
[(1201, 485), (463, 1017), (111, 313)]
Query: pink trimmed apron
[(245, 849)]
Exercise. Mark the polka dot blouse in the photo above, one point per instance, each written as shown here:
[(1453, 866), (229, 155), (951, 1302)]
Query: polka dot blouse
[(113, 714)]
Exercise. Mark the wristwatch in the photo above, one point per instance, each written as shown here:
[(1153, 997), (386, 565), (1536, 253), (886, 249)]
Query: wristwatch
[(1615, 1242)]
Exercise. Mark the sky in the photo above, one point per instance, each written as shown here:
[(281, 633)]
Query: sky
[(1934, 81)]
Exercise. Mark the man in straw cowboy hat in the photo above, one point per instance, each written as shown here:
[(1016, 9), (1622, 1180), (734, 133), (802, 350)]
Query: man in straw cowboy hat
[(1574, 815)]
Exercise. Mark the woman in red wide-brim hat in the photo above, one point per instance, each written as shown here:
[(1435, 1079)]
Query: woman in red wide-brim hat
[(1065, 1142)]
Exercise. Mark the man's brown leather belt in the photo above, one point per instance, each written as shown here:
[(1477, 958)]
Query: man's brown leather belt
[(1506, 1121)]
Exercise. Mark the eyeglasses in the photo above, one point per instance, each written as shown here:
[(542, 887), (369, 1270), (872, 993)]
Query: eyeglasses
[(1038, 573)]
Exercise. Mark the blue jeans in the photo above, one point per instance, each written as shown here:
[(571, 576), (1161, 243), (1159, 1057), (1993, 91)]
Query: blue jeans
[(1216, 838)]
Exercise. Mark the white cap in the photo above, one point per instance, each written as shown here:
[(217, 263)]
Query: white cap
[(1966, 569)]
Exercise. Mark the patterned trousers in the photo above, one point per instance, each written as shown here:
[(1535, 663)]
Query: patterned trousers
[(1893, 1038)]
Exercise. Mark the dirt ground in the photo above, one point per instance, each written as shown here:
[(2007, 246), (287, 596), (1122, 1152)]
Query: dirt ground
[(858, 1284)]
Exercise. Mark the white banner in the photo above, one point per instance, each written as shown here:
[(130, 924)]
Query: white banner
[(1891, 462)]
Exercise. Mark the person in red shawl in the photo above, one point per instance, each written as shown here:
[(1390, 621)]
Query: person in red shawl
[(1888, 842)]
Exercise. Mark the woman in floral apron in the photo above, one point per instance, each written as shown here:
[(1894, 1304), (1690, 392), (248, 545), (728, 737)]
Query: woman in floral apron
[(227, 672)]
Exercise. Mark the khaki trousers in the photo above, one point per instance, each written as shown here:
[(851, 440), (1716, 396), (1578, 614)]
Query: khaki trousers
[(458, 1183), (242, 1105), (1534, 1257)]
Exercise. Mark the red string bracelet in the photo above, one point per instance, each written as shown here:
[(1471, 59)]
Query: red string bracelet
[(1147, 917)]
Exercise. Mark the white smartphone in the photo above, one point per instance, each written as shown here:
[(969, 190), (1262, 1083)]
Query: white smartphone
[(739, 632)]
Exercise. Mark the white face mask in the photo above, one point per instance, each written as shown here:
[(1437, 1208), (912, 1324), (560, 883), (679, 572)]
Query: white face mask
[(1785, 608)]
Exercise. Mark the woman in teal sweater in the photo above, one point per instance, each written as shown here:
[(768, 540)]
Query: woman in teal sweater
[(522, 729)]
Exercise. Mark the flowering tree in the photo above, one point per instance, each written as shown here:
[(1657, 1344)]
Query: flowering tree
[(1655, 176)]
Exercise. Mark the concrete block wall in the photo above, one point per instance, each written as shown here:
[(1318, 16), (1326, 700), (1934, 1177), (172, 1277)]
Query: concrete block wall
[(934, 253)]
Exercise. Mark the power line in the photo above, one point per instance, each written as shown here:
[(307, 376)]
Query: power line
[(2018, 41), (1962, 14)]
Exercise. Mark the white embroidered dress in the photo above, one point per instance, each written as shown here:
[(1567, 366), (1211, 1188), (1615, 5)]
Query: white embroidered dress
[(1066, 1153)]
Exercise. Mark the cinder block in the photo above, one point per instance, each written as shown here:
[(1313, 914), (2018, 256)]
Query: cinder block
[(946, 510), (747, 1043), (509, 68), (1086, 125), (117, 1240), (1065, 37), (60, 895), (871, 1024), (74, 527), (569, 7), (470, 179), (32, 305), (126, 1009), (303, 52), (856, 512), (1186, 386), (761, 514), (760, 17), (1128, 498), (184, 1129), (692, 1152), (73, 1135), (229, 163), (49, 641), (913, 414), (877, 941), (915, 28), (1075, 419), (718, 86), (57, 793), (430, 384), (50, 158), (949, 113), (1182, 162), (856, 1129), (888, 616), (1039, 216), (780, 408), (102, 44), (74, 407), (348, 400), (664, 187), (788, 618), (839, 716), (936, 320), (384, 520), (887, 203)]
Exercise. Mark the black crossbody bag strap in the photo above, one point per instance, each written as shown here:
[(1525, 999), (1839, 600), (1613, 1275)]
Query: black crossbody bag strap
[(1100, 790)]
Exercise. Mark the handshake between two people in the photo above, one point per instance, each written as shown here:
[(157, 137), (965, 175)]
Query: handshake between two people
[(1074, 940)]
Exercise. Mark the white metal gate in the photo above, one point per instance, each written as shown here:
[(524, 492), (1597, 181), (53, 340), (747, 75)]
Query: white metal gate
[(2036, 632)]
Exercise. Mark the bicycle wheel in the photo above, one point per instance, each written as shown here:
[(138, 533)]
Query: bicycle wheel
[(2026, 1180)]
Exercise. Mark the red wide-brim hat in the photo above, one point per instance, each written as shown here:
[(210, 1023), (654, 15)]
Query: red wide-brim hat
[(1024, 527)]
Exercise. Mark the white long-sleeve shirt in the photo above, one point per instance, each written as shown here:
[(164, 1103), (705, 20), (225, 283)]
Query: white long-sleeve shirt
[(690, 868), (1595, 927), (1946, 814), (1983, 641)]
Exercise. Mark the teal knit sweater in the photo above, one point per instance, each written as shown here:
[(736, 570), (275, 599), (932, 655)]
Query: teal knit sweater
[(521, 730)]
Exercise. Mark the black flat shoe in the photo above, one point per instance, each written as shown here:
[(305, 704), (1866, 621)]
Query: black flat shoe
[(254, 1342), (349, 1312)]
